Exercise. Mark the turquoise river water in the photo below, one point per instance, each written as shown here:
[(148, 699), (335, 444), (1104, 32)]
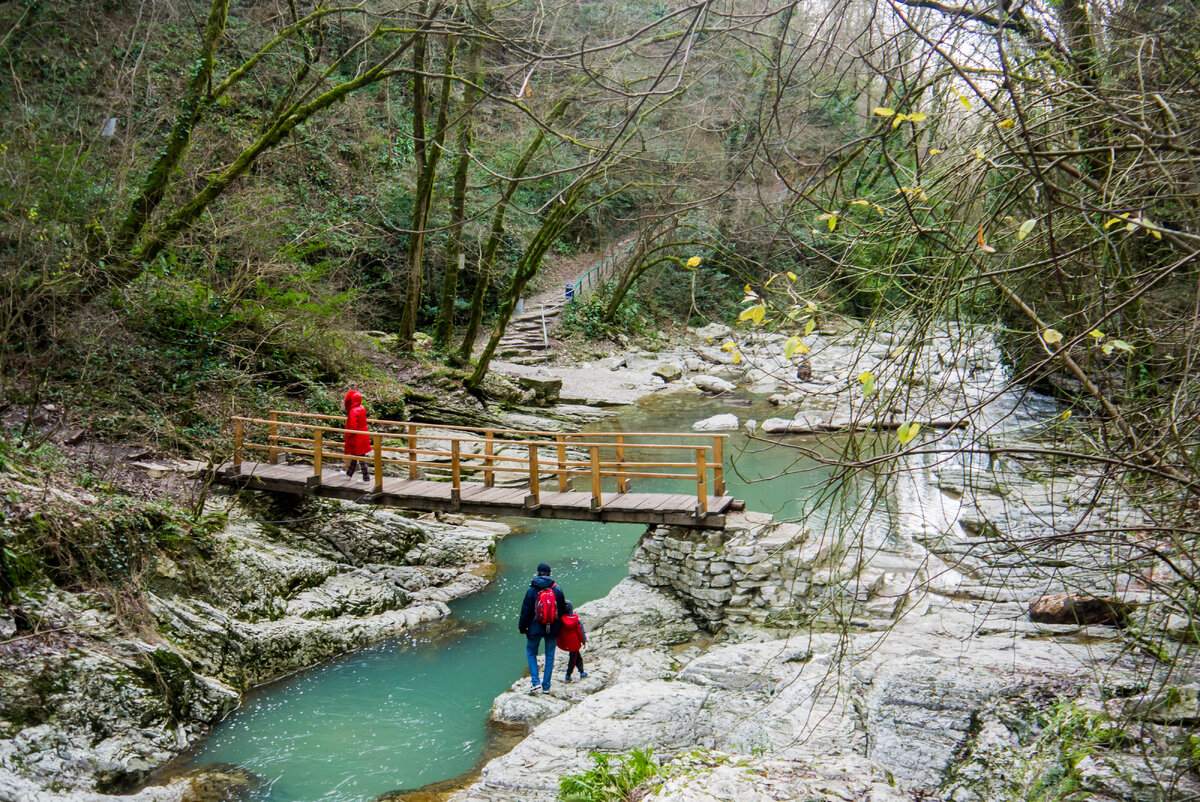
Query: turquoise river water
[(412, 711)]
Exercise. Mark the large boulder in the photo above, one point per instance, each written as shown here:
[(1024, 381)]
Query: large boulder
[(545, 388), (501, 388), (668, 371), (716, 423), (1065, 608), (713, 384)]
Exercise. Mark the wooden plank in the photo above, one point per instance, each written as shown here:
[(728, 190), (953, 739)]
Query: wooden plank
[(631, 501)]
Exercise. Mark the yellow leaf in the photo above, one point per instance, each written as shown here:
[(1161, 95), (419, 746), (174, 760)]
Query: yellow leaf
[(1096, 334), (728, 347), (907, 432), (791, 276), (790, 347), (983, 246), (965, 102), (694, 261), (899, 118), (1121, 345), (1052, 337), (935, 151), (810, 307), (1006, 124), (860, 203), (737, 357), (916, 117), (884, 112), (755, 313), (809, 326), (1114, 220), (831, 218), (980, 153), (802, 349), (1025, 228), (867, 381), (1107, 348), (1066, 414)]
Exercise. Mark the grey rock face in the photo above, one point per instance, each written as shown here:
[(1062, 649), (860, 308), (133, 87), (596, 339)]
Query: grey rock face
[(267, 599)]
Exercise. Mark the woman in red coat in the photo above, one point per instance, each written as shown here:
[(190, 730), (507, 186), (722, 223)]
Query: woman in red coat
[(357, 445)]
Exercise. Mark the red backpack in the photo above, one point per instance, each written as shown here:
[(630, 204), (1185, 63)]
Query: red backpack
[(545, 609)]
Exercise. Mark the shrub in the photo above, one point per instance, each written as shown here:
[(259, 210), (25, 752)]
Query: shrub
[(614, 779)]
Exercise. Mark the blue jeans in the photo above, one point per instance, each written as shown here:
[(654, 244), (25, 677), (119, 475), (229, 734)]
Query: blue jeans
[(531, 651)]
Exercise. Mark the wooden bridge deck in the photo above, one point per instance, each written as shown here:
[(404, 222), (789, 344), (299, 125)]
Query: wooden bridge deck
[(456, 468), (675, 509)]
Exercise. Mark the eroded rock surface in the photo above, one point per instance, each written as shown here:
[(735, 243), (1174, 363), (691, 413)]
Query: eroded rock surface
[(96, 708)]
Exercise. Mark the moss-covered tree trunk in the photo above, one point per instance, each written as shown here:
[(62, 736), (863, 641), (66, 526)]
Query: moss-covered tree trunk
[(428, 153), (563, 209), (492, 247), (195, 98), (458, 206)]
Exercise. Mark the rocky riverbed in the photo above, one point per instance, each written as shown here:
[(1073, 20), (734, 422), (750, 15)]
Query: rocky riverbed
[(878, 652), (95, 704), (913, 645)]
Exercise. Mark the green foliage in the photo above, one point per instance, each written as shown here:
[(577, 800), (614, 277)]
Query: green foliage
[(93, 537), (586, 315), (1069, 733), (614, 778)]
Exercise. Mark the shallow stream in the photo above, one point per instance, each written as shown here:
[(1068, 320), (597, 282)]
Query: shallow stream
[(412, 711)]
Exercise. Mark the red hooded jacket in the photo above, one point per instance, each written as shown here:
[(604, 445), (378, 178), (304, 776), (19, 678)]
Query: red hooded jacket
[(356, 444), (570, 636)]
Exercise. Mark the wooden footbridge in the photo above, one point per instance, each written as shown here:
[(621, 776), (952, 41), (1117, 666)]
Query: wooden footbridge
[(480, 471)]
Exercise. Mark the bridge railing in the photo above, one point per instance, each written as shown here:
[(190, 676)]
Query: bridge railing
[(528, 456)]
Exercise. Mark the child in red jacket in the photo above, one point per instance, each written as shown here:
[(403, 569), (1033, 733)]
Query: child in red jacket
[(358, 442), (572, 638)]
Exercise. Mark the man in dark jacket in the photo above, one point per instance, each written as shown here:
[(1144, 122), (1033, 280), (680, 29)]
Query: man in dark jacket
[(535, 630)]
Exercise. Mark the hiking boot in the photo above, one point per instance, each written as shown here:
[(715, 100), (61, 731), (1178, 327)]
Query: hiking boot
[(534, 690), (583, 675), (568, 678)]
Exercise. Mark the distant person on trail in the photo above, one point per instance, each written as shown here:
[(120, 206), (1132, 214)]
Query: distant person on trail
[(357, 445), (572, 639), (541, 613)]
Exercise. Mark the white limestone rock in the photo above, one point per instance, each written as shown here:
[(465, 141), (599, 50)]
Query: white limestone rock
[(717, 423)]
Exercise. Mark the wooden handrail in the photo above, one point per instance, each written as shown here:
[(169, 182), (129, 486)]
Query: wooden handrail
[(455, 427), (539, 443), (475, 452)]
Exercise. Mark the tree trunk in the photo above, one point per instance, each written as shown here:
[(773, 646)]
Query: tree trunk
[(428, 155), (493, 244), (552, 227), (454, 248), (190, 108)]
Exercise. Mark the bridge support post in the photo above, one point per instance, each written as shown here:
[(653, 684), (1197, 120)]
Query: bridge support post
[(564, 484), (534, 499), (622, 482), (489, 479), (237, 446), (412, 451), (456, 473), (318, 454), (376, 441), (594, 465), (273, 435), (718, 467), (701, 484)]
